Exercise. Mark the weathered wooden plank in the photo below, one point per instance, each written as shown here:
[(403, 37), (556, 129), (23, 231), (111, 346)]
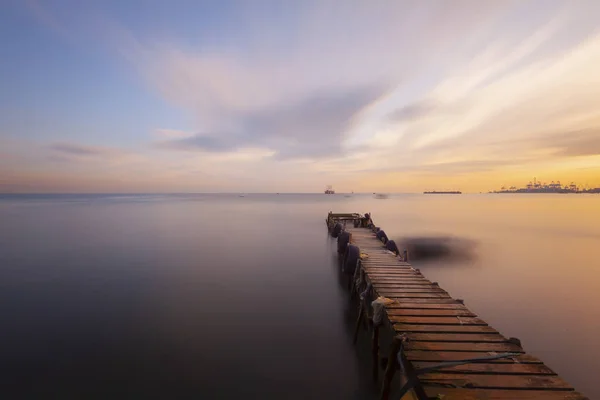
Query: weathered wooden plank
[(427, 301), (539, 382), (457, 337), (386, 286), (388, 266), (416, 292), (395, 290), (405, 285), (389, 270), (426, 320), (441, 356), (411, 285), (489, 368), (397, 274), (429, 312), (399, 279), (455, 346), (444, 328), (420, 305), (410, 281), (404, 295), (379, 253), (376, 255), (387, 262), (383, 273), (499, 394)]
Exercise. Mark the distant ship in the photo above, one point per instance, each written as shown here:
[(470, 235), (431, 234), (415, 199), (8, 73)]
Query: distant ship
[(381, 196), (329, 190), (448, 192)]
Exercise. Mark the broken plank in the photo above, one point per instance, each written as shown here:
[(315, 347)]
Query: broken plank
[(490, 368), (442, 356)]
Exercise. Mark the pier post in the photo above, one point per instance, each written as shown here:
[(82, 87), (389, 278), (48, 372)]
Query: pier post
[(375, 352), (390, 369), (358, 322), (405, 255)]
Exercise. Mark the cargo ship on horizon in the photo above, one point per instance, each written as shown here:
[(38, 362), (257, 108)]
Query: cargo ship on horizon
[(443, 192)]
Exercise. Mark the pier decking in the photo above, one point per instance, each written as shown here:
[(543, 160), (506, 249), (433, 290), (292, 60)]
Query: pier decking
[(441, 349)]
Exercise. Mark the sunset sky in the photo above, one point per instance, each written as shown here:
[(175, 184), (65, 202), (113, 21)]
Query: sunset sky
[(282, 96)]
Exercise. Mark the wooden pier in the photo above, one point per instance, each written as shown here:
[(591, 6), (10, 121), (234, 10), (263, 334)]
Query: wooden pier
[(439, 349)]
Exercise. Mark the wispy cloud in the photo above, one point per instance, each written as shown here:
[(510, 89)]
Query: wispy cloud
[(74, 149), (172, 133), (311, 127), (414, 111)]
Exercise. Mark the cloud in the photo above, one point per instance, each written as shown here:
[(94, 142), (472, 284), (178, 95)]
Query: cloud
[(301, 97), (412, 111), (74, 149), (172, 133), (574, 144), (311, 127)]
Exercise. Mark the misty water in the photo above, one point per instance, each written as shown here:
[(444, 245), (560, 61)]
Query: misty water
[(221, 296)]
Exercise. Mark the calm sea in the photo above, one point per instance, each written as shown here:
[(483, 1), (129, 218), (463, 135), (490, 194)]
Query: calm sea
[(221, 296)]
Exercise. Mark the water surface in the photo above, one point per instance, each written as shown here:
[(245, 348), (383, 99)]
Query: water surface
[(206, 296)]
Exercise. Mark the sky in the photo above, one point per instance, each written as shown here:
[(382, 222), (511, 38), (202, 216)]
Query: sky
[(275, 96)]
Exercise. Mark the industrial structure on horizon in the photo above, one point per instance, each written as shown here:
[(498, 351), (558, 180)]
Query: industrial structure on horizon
[(553, 187)]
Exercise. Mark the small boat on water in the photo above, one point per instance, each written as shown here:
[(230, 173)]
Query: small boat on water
[(381, 196)]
